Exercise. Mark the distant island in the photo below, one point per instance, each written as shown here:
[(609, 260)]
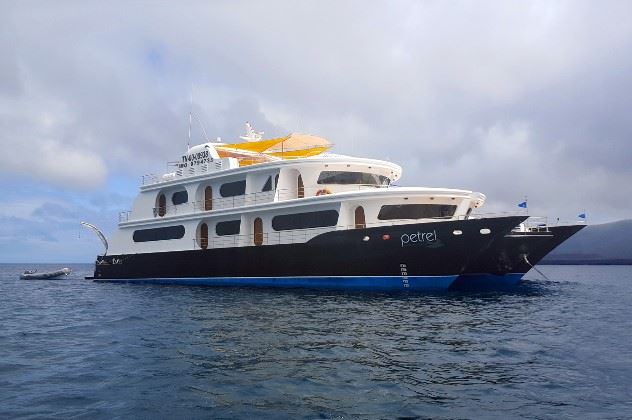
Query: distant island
[(605, 244)]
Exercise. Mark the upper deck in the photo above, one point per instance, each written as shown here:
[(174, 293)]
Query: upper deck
[(219, 192), (214, 178), (225, 167)]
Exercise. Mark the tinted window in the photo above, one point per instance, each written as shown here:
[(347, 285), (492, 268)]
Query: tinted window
[(415, 211), (312, 219), (179, 197), (230, 227), (346, 178), (231, 189), (268, 185), (159, 234)]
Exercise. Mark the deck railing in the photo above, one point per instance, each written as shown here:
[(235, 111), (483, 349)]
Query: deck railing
[(538, 224), (213, 166), (250, 199), (266, 238), (124, 216)]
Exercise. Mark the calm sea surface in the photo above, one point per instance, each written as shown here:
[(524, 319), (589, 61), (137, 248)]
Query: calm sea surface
[(558, 348)]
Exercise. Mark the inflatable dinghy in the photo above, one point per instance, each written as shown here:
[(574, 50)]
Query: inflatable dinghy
[(34, 275)]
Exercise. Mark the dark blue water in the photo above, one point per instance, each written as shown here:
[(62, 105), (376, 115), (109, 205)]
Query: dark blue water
[(549, 349)]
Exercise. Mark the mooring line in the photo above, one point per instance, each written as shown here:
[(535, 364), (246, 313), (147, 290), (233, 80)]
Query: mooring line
[(534, 267)]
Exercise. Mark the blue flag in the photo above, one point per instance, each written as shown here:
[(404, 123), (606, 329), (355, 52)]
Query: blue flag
[(582, 215), (523, 205)]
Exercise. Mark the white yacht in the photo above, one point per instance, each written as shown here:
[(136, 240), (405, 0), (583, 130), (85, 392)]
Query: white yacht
[(285, 212)]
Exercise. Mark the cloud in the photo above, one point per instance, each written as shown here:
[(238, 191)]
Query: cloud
[(508, 99), (46, 228)]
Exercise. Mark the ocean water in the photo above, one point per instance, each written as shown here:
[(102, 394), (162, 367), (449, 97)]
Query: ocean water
[(557, 348)]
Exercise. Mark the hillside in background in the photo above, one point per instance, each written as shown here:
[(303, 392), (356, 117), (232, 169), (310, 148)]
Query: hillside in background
[(609, 243)]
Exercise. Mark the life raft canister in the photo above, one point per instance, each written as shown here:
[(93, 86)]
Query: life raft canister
[(323, 191)]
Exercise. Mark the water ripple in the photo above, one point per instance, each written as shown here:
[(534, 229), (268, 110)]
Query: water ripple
[(548, 349)]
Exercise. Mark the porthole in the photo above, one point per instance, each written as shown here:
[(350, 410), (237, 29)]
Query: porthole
[(458, 232), (485, 231)]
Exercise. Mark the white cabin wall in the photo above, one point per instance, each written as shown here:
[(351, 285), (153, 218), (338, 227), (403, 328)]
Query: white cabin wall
[(346, 215), (147, 201), (143, 206), (310, 175), (287, 188), (123, 242), (192, 201), (255, 181), (254, 185), (198, 191), (462, 206)]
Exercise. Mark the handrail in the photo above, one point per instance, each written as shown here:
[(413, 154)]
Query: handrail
[(304, 235), (300, 235), (259, 197), (150, 179), (123, 216), (265, 238)]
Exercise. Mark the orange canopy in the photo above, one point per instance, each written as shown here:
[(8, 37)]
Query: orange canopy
[(293, 146)]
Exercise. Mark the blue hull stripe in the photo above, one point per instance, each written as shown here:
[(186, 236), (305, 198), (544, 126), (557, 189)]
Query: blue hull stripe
[(487, 281), (383, 283)]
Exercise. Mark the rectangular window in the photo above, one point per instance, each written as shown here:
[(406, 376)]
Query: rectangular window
[(232, 189), (159, 234), (312, 219), (351, 178), (415, 211), (231, 227)]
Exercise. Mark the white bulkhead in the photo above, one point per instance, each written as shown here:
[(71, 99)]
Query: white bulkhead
[(211, 201)]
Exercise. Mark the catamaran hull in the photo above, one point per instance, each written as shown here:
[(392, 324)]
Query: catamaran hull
[(425, 257), (505, 262)]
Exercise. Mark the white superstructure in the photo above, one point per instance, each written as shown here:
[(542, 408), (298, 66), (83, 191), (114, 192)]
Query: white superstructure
[(246, 194)]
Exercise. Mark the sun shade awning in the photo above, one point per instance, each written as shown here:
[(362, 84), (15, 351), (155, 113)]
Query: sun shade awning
[(293, 146)]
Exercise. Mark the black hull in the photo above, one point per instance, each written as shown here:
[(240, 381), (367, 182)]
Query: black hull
[(394, 252), (513, 255)]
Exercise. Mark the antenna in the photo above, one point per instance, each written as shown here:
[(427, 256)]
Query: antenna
[(203, 129), (190, 117)]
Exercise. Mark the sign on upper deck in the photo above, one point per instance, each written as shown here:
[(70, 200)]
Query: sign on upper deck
[(195, 159)]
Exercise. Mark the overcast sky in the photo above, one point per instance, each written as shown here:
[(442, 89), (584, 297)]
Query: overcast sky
[(512, 99)]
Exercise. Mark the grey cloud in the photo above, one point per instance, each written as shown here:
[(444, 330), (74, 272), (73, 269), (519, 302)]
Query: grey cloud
[(435, 87), (50, 231)]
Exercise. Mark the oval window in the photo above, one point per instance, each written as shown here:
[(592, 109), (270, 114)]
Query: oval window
[(179, 197), (457, 232), (485, 231)]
